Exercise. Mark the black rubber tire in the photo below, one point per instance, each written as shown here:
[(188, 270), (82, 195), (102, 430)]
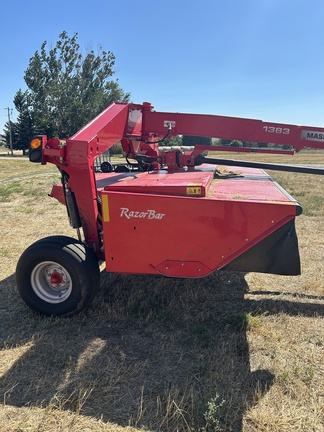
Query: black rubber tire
[(67, 256), (106, 167)]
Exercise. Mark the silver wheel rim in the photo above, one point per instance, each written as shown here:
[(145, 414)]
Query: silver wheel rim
[(51, 282)]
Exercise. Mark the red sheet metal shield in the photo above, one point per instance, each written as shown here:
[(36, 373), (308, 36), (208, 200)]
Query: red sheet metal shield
[(208, 224)]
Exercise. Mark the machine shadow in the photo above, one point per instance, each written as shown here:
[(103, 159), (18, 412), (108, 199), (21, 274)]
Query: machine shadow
[(158, 353)]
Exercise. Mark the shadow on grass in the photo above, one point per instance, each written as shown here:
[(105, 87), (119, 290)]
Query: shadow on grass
[(154, 353)]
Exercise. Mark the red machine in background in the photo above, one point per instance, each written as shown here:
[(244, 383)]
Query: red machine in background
[(172, 211)]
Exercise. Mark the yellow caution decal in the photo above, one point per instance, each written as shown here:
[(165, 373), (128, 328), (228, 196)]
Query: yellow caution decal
[(105, 208), (193, 189)]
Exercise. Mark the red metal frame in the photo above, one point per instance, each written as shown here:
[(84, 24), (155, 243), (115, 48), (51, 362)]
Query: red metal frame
[(234, 215), (298, 137)]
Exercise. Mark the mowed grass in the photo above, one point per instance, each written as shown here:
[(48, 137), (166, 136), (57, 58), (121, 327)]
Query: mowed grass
[(230, 352)]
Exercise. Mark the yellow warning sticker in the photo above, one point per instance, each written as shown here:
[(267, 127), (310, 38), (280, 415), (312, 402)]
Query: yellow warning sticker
[(105, 208), (193, 190)]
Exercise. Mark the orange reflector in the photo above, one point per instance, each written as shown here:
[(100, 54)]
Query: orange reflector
[(35, 143)]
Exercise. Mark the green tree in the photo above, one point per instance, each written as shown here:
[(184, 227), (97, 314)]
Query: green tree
[(262, 145), (22, 131), (224, 142), (66, 89), (173, 141), (188, 140), (236, 143)]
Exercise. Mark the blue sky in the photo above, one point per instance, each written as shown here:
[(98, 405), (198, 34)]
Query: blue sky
[(260, 59)]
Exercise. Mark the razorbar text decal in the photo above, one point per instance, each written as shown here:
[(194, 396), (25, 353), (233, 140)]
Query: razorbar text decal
[(147, 214)]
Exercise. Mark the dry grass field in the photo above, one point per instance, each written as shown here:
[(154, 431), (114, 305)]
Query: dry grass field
[(230, 352)]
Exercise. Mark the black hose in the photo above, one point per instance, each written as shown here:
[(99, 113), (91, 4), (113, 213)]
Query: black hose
[(267, 166)]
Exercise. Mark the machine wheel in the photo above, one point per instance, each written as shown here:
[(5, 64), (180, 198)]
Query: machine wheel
[(57, 275), (106, 167)]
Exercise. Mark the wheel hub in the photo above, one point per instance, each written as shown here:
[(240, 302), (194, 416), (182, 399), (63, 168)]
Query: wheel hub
[(51, 282), (55, 278)]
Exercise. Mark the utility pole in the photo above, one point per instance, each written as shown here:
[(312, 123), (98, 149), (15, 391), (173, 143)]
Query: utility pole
[(10, 135)]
